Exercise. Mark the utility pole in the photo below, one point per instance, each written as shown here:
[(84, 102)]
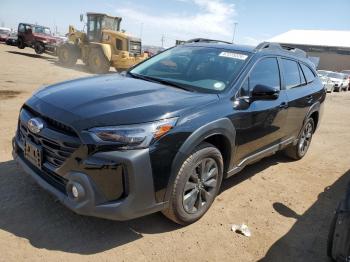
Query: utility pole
[(163, 39), (234, 32), (141, 30)]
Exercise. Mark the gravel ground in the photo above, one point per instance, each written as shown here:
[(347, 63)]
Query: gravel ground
[(287, 205)]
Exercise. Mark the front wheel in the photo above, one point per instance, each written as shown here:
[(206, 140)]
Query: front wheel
[(196, 185), (299, 150), (97, 62), (67, 55), (20, 43), (39, 48)]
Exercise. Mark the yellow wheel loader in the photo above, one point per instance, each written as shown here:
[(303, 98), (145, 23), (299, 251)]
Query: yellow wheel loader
[(102, 46)]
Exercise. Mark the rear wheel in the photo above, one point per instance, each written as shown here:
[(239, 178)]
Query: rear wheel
[(67, 55), (299, 150), (196, 185), (20, 43), (97, 61), (39, 48)]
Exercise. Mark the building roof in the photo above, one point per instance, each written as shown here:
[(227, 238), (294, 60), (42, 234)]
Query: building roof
[(314, 38)]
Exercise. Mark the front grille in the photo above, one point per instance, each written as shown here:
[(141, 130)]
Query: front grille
[(135, 47), (57, 148), (52, 124)]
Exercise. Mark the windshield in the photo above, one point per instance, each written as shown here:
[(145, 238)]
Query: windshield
[(42, 30), (110, 23), (335, 75), (204, 69)]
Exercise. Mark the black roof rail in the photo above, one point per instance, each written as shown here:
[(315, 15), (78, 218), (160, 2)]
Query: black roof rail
[(205, 40), (281, 47)]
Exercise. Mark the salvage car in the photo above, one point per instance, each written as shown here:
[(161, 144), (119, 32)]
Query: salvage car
[(163, 135), (347, 73), (4, 33), (37, 37), (339, 80), (326, 81), (12, 39)]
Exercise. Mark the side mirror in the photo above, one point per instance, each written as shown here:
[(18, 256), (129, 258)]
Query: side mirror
[(262, 92)]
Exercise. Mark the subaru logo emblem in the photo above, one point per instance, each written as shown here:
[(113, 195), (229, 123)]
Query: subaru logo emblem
[(35, 125)]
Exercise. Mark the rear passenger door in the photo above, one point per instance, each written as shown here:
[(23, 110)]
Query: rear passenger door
[(300, 93)]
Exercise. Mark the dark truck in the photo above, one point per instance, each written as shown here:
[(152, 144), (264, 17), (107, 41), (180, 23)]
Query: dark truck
[(162, 136), (37, 37)]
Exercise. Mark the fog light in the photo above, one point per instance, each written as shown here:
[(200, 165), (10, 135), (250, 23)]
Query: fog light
[(75, 192)]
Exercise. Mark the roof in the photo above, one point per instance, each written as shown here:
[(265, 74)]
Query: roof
[(5, 28), (329, 38), (33, 25), (243, 48)]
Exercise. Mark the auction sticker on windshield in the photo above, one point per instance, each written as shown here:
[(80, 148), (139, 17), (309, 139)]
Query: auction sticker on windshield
[(233, 55)]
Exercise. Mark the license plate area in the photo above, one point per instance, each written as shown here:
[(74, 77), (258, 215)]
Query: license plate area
[(33, 153)]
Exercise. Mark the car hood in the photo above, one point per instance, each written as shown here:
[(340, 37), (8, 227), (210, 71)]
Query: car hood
[(113, 100), (46, 37)]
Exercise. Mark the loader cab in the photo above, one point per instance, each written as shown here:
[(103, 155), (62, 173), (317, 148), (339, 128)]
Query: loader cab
[(97, 22)]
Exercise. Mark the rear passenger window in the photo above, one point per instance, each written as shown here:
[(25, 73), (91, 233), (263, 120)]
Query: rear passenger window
[(309, 75), (291, 73)]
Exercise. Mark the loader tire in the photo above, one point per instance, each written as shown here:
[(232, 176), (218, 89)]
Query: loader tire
[(98, 63), (67, 55)]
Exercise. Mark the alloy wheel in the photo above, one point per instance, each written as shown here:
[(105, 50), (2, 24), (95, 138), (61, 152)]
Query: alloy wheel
[(201, 185), (305, 138)]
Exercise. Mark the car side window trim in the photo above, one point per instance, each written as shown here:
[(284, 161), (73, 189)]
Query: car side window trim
[(312, 71), (300, 72)]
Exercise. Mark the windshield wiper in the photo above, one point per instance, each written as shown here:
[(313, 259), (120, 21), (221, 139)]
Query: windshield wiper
[(160, 81)]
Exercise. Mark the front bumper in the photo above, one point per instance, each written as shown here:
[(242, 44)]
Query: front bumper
[(140, 197)]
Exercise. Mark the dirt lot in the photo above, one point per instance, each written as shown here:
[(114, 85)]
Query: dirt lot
[(287, 205)]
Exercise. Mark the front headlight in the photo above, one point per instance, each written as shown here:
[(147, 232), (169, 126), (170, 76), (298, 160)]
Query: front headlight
[(134, 136)]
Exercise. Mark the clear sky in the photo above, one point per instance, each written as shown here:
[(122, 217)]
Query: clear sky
[(257, 20)]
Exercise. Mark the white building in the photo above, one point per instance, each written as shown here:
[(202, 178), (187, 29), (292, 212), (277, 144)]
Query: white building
[(332, 47)]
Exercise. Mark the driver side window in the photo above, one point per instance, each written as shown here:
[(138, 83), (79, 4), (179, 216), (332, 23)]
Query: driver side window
[(265, 72)]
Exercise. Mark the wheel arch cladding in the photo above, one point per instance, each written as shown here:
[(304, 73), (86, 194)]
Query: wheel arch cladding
[(220, 133), (315, 117), (314, 114)]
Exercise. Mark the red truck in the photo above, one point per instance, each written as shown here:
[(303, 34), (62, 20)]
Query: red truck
[(37, 37)]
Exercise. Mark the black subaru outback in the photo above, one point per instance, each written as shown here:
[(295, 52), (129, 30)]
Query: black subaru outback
[(162, 136)]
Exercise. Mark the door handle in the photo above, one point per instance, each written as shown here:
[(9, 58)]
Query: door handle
[(284, 105)]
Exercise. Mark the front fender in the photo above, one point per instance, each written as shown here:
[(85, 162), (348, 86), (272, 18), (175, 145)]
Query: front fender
[(221, 126)]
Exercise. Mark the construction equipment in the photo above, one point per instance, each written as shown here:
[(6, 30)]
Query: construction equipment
[(102, 46)]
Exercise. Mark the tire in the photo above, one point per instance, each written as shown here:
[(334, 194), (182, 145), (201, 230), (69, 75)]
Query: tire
[(98, 63), (67, 55), (196, 185), (39, 48), (299, 150), (20, 43)]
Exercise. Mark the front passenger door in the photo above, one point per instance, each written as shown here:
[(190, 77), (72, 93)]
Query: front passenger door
[(262, 124)]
